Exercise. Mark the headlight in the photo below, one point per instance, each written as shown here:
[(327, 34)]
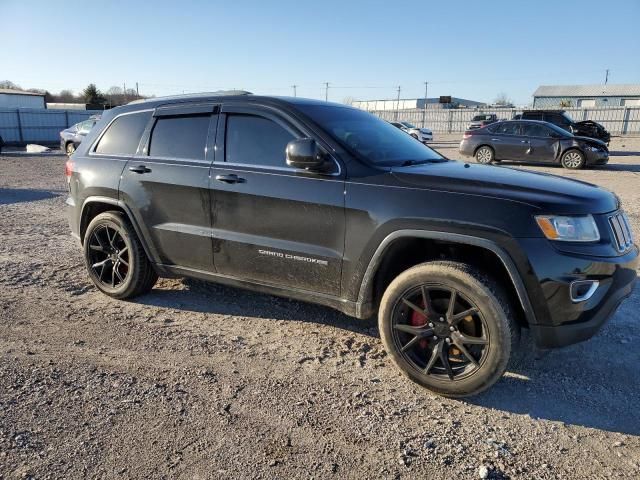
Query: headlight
[(569, 229), (594, 149)]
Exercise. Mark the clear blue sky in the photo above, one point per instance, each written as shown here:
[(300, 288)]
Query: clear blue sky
[(468, 49)]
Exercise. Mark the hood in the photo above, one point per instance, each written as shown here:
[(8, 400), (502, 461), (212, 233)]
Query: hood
[(592, 141), (549, 193)]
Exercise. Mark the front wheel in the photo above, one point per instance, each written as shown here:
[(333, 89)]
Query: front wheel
[(573, 159), (115, 259), (448, 328), (484, 155)]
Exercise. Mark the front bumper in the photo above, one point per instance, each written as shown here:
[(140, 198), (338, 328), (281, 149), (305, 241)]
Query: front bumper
[(559, 320), (600, 157)]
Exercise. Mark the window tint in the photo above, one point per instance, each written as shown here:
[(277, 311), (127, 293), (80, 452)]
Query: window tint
[(180, 137), (535, 130), (508, 128), (532, 116), (123, 135), (256, 141)]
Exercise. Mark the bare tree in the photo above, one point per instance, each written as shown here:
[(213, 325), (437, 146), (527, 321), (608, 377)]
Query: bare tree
[(503, 99), (9, 84), (348, 100), (66, 96)]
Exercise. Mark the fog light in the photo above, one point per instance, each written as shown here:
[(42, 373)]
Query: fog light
[(582, 290)]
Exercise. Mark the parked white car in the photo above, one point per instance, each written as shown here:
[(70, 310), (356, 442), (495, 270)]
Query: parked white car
[(423, 134)]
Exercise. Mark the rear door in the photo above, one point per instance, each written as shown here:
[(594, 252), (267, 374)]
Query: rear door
[(167, 185), (508, 142), (274, 224)]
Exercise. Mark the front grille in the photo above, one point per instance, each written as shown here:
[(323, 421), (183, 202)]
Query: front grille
[(623, 238)]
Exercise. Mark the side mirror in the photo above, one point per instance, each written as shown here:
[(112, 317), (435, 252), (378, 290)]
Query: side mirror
[(304, 153)]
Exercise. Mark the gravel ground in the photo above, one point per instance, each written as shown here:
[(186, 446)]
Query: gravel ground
[(196, 380)]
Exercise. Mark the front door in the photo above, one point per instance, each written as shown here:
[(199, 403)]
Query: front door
[(167, 185), (274, 224), (508, 142), (542, 146)]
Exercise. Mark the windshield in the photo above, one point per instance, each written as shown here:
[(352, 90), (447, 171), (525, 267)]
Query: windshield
[(477, 118), (368, 137), (408, 125)]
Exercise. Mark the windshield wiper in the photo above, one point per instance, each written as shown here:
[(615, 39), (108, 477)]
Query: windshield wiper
[(408, 163)]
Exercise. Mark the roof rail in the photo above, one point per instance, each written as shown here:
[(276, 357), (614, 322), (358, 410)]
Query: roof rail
[(221, 93)]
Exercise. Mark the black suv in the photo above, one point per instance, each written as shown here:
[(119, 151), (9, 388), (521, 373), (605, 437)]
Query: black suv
[(327, 203), (560, 118)]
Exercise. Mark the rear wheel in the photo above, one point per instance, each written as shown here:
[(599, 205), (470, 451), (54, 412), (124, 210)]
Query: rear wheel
[(70, 148), (484, 155), (448, 328), (115, 259), (573, 159)]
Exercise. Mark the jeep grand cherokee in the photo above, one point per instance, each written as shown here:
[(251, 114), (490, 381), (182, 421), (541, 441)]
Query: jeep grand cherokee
[(329, 204)]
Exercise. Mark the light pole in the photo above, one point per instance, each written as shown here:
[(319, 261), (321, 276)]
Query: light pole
[(294, 90), (424, 112), (326, 91), (398, 104)]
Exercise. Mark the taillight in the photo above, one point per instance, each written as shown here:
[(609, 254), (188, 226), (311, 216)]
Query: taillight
[(468, 134), (68, 168)]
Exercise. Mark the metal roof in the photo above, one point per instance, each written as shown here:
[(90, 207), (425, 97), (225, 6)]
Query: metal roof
[(11, 91), (611, 90)]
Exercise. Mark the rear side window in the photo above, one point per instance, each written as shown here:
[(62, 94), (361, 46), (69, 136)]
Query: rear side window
[(123, 135), (532, 116), (535, 130), (254, 140), (180, 137), (508, 128)]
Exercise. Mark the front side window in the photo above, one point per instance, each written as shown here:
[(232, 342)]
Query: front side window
[(253, 140), (180, 137), (123, 135)]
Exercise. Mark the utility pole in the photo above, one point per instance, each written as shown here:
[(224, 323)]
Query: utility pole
[(398, 104), (294, 90), (424, 112), (124, 92), (137, 91), (326, 91), (606, 76)]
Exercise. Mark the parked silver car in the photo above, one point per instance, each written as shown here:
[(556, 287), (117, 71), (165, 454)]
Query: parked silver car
[(423, 134)]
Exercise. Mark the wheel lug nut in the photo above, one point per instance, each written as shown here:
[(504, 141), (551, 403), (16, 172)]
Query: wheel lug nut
[(448, 340), (452, 328), (431, 325), (435, 337), (441, 319)]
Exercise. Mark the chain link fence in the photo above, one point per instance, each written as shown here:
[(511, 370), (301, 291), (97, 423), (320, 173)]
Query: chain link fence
[(617, 120)]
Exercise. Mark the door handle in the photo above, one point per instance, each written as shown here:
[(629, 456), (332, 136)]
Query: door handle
[(495, 139), (231, 178), (139, 169), (524, 141)]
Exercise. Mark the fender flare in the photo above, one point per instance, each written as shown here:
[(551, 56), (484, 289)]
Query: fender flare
[(128, 213), (366, 286)]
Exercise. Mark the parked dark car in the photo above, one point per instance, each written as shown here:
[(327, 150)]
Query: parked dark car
[(326, 203), (71, 137), (532, 141), (562, 119), (482, 120)]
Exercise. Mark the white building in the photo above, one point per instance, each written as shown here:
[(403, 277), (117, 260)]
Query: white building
[(10, 98)]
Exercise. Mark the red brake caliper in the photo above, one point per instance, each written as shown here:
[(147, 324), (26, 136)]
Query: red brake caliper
[(417, 320)]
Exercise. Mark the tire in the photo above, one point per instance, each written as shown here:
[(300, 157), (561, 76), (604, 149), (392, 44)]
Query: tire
[(70, 148), (421, 355), (115, 259), (485, 155), (573, 159)]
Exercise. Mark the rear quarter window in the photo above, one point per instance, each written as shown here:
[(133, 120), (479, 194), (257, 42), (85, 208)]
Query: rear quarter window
[(123, 134)]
